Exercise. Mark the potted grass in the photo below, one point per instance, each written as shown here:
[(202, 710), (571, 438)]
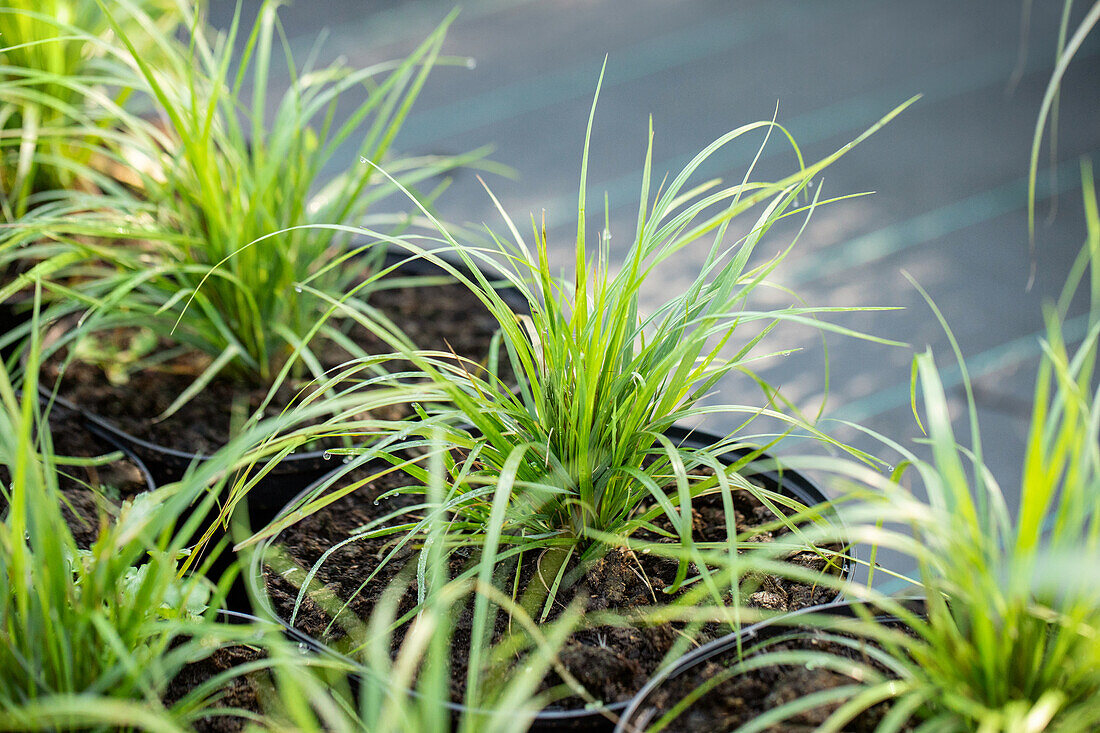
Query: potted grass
[(575, 478), (203, 296), (101, 634), (1006, 638)]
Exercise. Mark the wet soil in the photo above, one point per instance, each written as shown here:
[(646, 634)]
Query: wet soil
[(90, 492), (444, 317), (743, 697), (611, 662), (240, 692)]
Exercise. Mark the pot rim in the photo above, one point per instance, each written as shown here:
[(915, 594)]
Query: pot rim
[(792, 482)]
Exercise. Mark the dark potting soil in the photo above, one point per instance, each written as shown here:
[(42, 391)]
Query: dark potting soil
[(743, 697), (240, 692), (611, 662), (443, 317), (88, 490)]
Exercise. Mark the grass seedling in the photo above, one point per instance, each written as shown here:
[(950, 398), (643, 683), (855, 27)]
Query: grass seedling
[(217, 235)]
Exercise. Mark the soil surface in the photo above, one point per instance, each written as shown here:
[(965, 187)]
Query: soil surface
[(611, 662), (240, 692), (444, 317), (90, 491), (743, 697)]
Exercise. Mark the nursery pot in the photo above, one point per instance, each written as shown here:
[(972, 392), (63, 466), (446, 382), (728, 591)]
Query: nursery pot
[(788, 482), (643, 710), (297, 470)]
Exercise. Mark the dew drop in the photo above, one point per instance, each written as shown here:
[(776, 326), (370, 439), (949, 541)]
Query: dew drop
[(347, 459), (297, 288), (645, 550), (471, 63), (302, 647), (376, 502), (327, 456)]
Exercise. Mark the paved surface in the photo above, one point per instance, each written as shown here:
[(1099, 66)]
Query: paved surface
[(949, 174)]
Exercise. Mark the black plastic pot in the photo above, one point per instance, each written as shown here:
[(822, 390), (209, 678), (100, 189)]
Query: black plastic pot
[(640, 712), (789, 483), (287, 478)]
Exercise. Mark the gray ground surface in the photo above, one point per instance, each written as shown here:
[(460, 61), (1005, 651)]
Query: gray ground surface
[(949, 174)]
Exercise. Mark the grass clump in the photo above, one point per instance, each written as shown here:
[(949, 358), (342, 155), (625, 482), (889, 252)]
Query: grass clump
[(1009, 639), (569, 452), (215, 248), (555, 451)]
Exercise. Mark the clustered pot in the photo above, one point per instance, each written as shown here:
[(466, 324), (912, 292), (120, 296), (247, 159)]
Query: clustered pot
[(265, 581)]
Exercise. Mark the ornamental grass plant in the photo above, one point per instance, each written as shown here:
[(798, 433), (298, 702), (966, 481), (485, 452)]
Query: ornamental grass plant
[(208, 251), (556, 449), (1009, 636), (572, 455)]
